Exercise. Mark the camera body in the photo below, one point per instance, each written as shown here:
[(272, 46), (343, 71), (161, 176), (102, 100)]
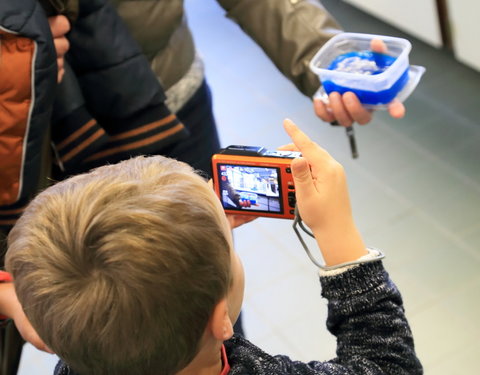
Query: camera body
[(255, 181)]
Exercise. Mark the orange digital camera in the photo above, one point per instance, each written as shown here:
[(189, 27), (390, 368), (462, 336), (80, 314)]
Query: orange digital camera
[(255, 181)]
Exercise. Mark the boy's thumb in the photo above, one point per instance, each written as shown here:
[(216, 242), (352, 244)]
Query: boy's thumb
[(302, 176)]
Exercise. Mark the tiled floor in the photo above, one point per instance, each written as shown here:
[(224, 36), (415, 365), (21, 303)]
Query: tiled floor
[(415, 192)]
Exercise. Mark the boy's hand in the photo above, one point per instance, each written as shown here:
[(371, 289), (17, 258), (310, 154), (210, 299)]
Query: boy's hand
[(323, 200), (320, 182), (237, 220), (60, 26), (347, 109)]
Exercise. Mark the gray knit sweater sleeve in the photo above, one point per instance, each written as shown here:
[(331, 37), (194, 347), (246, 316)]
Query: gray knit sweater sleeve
[(365, 313)]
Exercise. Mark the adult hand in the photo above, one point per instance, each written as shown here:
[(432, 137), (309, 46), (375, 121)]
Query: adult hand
[(346, 109), (60, 26)]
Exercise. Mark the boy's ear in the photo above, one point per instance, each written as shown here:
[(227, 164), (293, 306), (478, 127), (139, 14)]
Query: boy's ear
[(221, 325)]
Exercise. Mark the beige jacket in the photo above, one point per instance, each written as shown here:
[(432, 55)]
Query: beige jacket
[(289, 31)]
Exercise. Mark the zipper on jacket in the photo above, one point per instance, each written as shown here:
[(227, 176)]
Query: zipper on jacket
[(57, 157)]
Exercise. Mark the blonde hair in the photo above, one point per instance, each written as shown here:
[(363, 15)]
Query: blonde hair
[(119, 269)]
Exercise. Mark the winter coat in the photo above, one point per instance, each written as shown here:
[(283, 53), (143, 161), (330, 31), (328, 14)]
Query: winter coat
[(108, 107)]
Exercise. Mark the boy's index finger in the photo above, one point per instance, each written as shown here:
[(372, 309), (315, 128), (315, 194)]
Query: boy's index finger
[(299, 138), (307, 147)]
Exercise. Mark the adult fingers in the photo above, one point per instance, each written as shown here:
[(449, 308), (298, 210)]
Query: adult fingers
[(396, 109), (60, 75), (59, 25), (378, 45), (356, 110), (60, 63), (322, 110), (339, 110), (61, 46)]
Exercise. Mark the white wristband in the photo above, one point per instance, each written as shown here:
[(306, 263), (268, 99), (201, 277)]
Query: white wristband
[(373, 255)]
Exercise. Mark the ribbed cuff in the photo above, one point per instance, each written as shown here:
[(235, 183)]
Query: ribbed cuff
[(354, 281), (76, 137)]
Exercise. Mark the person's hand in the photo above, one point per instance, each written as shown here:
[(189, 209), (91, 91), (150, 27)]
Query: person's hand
[(236, 220), (245, 203), (60, 26), (320, 182), (10, 306), (346, 109), (323, 200)]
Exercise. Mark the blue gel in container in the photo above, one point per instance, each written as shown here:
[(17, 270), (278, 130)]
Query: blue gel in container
[(366, 63)]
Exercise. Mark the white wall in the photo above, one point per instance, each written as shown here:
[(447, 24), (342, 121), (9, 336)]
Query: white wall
[(464, 17), (416, 17)]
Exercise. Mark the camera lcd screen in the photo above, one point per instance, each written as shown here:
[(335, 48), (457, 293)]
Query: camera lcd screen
[(250, 188)]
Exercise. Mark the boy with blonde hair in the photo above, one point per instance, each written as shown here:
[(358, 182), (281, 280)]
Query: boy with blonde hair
[(130, 269)]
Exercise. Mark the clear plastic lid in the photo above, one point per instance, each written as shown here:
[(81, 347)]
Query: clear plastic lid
[(386, 82)]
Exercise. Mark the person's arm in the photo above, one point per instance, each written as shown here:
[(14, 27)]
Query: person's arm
[(366, 313), (232, 193), (10, 308), (290, 33), (323, 200)]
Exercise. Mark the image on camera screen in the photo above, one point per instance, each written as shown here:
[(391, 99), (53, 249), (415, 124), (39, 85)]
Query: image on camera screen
[(251, 188)]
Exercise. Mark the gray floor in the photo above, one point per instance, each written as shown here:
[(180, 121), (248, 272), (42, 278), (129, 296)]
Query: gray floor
[(415, 192)]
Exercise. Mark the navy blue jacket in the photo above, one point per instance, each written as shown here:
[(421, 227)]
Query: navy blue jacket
[(109, 106)]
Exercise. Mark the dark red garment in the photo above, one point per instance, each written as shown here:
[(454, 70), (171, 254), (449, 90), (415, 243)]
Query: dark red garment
[(226, 366)]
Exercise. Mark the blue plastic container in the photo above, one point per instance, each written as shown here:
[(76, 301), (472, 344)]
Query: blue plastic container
[(346, 63)]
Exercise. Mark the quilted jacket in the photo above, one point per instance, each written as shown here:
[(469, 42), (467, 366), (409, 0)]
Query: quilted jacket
[(108, 107)]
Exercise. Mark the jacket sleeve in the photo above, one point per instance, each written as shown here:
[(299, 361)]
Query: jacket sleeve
[(109, 65), (110, 105), (28, 75), (366, 314), (289, 31)]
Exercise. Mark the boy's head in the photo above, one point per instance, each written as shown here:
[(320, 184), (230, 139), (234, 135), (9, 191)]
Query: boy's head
[(119, 270)]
